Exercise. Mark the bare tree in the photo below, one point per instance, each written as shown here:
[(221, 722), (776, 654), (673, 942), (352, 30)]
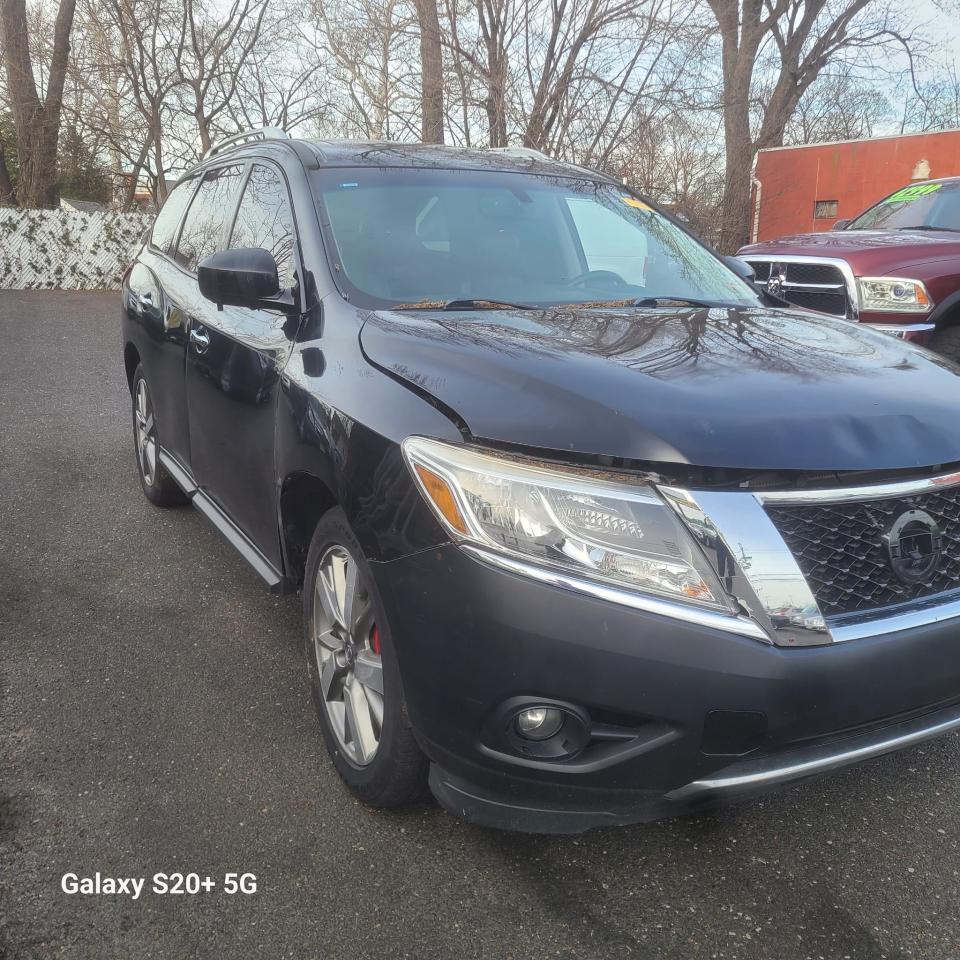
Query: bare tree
[(933, 103), (498, 25), (217, 49), (7, 194), (840, 106), (373, 58), (139, 101), (37, 121), (573, 28), (431, 72), (279, 85), (629, 86), (801, 37)]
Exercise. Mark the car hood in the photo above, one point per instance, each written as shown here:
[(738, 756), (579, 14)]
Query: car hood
[(750, 388), (866, 250)]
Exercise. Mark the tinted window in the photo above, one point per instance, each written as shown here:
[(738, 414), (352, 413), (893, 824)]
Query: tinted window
[(404, 237), (168, 219), (932, 205), (264, 220), (212, 205)]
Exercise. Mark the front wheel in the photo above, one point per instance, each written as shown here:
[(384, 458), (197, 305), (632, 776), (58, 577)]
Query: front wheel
[(354, 674)]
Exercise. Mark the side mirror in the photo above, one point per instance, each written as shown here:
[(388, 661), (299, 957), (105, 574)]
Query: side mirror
[(741, 268), (243, 277), (840, 224)]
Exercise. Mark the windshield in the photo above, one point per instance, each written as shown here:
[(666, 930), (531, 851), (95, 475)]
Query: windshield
[(934, 206), (406, 237)]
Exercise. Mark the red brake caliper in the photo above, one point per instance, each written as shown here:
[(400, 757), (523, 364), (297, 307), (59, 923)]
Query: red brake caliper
[(375, 640)]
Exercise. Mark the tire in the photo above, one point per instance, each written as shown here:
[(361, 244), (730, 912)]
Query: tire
[(158, 486), (395, 771), (946, 342)]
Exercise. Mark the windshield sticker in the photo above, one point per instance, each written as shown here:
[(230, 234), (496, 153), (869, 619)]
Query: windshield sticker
[(637, 204), (913, 193)]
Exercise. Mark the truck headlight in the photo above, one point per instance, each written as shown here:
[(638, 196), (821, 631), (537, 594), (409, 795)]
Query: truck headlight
[(579, 522), (893, 295)]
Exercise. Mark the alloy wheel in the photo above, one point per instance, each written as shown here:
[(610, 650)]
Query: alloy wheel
[(346, 644), (146, 433)]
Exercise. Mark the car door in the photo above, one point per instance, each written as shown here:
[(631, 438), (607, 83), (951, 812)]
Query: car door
[(234, 362), (153, 285)]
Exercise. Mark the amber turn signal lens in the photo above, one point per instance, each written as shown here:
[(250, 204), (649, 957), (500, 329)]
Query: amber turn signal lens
[(442, 497)]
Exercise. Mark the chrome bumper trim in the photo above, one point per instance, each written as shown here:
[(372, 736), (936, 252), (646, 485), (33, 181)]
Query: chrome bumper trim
[(920, 613), (729, 623), (901, 329), (875, 491), (810, 761)]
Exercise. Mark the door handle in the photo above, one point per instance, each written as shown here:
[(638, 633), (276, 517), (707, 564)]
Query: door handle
[(200, 339)]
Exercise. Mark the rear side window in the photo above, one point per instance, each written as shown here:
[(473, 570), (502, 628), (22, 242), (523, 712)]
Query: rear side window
[(168, 219), (203, 230), (264, 220)]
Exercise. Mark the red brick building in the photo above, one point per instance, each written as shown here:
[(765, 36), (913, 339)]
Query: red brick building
[(800, 189)]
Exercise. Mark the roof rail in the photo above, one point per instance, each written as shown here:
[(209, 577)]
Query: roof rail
[(262, 133), (519, 152)]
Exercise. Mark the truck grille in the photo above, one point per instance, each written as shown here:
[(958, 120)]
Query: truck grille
[(841, 553), (812, 285)]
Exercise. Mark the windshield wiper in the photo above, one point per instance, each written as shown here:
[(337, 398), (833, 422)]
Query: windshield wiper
[(669, 301), (928, 226), (481, 304), (478, 304)]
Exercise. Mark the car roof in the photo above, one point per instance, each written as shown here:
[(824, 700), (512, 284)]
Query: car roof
[(317, 154), (918, 183)]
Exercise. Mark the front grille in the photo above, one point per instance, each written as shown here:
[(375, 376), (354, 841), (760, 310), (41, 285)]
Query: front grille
[(835, 303), (825, 273), (812, 285), (840, 551)]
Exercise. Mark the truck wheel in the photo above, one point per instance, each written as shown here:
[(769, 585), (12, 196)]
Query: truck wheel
[(158, 486), (946, 342), (354, 674)]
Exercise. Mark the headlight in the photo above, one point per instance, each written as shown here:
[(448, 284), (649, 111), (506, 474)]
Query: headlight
[(893, 295), (619, 533)]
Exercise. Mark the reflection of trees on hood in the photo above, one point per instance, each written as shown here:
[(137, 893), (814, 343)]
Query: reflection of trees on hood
[(657, 342)]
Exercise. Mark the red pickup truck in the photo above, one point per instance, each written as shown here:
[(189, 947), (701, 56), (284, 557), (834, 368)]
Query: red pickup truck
[(895, 267)]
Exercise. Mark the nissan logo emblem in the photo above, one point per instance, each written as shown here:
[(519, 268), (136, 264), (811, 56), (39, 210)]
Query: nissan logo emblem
[(913, 543)]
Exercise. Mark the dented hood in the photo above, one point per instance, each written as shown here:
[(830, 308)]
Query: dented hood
[(750, 388)]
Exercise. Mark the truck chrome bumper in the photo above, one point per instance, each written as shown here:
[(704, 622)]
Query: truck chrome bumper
[(901, 330)]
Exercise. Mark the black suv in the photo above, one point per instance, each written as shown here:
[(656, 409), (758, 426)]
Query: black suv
[(587, 529)]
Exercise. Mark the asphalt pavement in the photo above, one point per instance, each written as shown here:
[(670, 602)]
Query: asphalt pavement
[(155, 717)]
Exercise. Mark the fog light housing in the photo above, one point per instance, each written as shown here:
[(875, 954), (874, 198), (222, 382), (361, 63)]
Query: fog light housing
[(539, 723)]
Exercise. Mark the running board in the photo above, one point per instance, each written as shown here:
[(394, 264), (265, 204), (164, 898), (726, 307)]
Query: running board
[(274, 579), (183, 479)]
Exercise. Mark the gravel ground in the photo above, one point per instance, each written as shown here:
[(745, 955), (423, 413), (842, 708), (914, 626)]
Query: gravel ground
[(155, 718)]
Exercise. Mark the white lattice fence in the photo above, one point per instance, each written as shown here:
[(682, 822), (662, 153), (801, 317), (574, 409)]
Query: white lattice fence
[(64, 248)]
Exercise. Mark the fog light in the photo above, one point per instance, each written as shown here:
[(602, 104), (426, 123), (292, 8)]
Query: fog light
[(539, 723)]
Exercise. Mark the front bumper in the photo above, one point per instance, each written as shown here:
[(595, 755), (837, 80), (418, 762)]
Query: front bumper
[(905, 327), (470, 637)]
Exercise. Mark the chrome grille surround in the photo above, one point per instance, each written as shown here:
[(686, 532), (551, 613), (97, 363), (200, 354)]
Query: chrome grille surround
[(825, 284), (802, 596)]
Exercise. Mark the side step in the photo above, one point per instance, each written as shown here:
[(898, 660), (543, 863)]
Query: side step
[(274, 579)]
